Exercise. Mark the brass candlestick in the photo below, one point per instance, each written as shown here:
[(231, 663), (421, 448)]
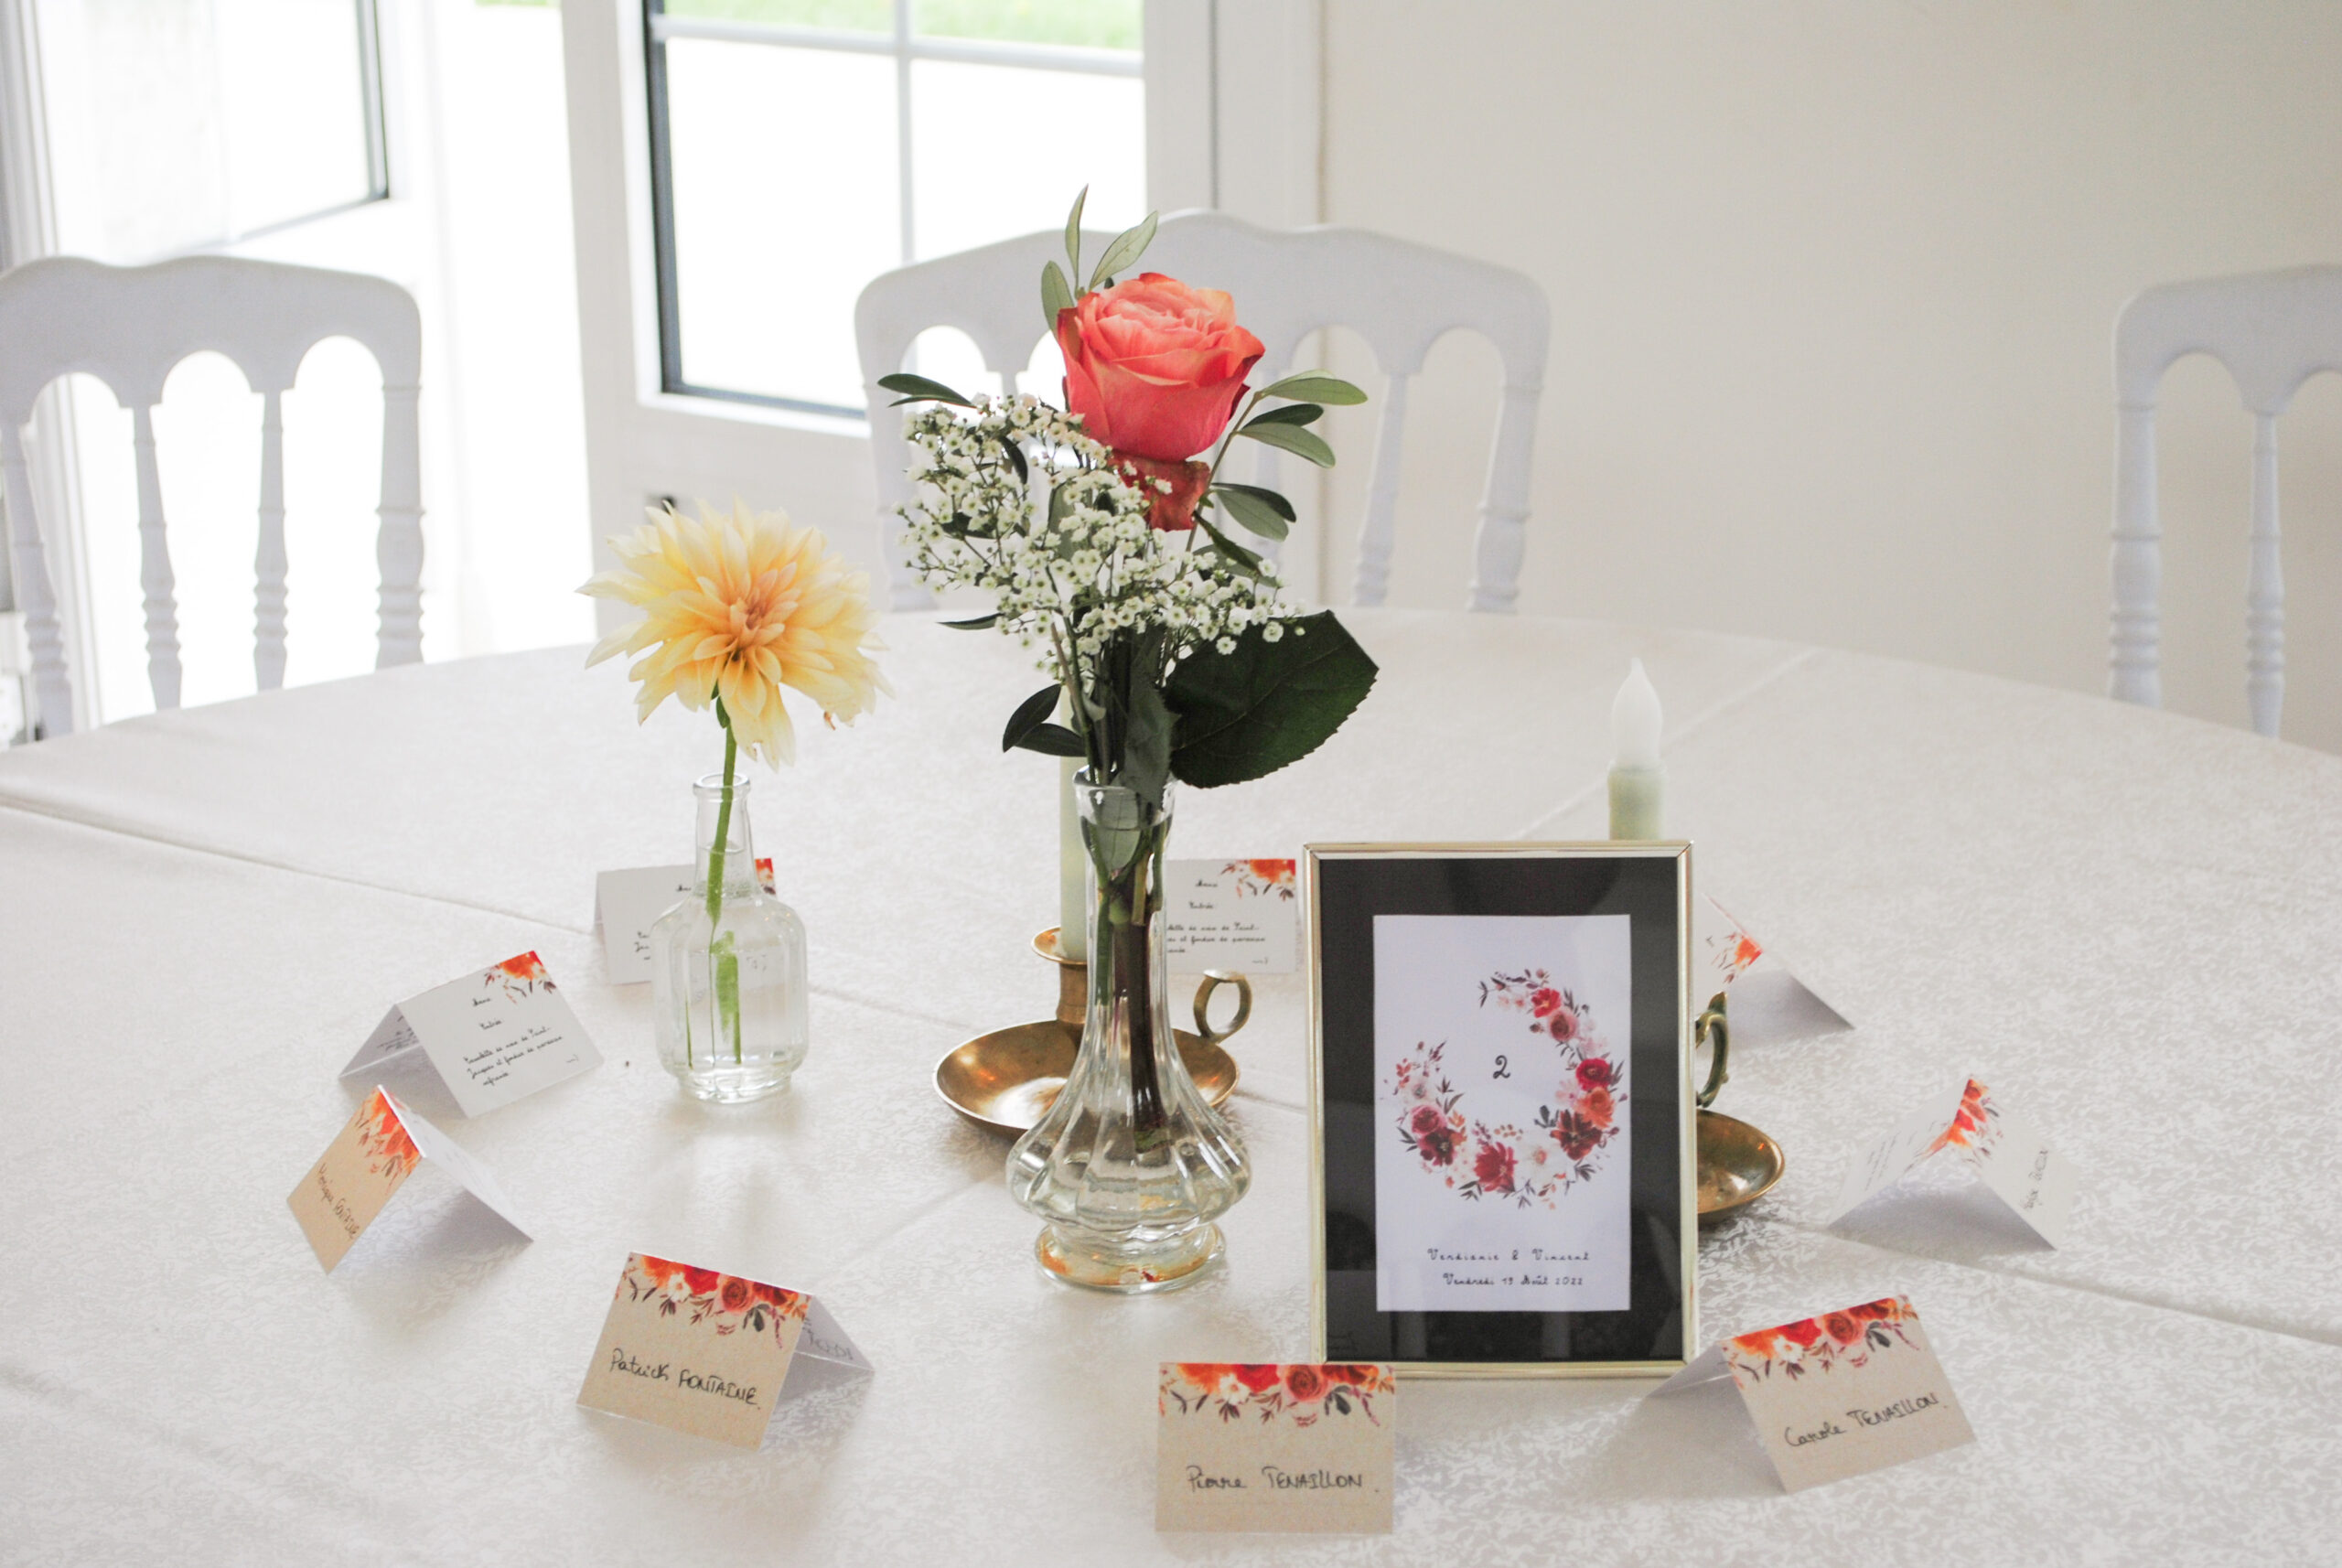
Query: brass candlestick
[(1003, 1081)]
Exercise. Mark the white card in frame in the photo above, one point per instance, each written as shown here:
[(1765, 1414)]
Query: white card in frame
[(1501, 1111)]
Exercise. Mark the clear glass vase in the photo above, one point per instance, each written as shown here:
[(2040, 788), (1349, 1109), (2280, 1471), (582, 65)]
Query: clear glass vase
[(727, 986), (1130, 1165)]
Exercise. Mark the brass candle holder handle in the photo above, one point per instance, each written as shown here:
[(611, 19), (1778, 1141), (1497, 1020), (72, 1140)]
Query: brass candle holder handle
[(1716, 1031), (1213, 980)]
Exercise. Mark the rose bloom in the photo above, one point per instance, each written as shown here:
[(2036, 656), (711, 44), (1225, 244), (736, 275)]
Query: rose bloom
[(1492, 1167), (1155, 369), (1426, 1121), (772, 1294), (1562, 1026), (700, 1282), (1205, 1375), (1842, 1329), (1803, 1333), (736, 1294), (1757, 1344), (1596, 1106), (1260, 1376), (1545, 1002), (1344, 1372), (1275, 873), (1304, 1383), (1595, 1072), (1438, 1147), (1577, 1136), (1873, 1310)]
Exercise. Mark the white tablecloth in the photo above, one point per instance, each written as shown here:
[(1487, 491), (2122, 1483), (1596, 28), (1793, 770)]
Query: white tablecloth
[(2126, 922)]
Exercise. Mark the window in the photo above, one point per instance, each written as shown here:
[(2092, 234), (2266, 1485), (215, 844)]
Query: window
[(175, 125), (801, 147)]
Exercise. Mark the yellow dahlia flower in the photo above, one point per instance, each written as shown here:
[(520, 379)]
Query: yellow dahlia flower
[(737, 607)]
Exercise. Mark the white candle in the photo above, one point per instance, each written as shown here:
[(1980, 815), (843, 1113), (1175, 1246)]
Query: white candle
[(1073, 868), (1637, 781)]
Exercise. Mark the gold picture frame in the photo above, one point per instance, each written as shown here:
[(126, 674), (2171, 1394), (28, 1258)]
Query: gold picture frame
[(1515, 864)]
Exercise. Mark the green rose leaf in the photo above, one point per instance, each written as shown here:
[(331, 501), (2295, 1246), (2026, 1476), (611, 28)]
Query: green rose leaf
[(1030, 714), (1147, 746), (919, 388), (1052, 740), (1055, 295), (1255, 509), (1316, 388), (1291, 413), (1128, 246), (1247, 713), (1293, 439)]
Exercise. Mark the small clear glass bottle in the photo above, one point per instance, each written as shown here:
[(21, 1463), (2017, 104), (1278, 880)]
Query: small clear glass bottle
[(728, 992)]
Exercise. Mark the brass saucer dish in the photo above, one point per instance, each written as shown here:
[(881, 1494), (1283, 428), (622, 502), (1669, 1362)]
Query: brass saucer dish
[(1004, 1080), (1738, 1165)]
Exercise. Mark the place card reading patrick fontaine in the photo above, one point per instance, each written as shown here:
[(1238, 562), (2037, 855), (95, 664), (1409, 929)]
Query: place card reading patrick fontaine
[(1274, 1446), (709, 1353)]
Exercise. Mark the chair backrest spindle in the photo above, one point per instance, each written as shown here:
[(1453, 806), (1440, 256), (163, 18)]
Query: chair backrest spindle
[(2272, 332), (129, 326)]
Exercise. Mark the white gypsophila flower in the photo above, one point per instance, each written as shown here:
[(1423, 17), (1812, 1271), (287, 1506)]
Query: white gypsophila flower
[(1062, 543)]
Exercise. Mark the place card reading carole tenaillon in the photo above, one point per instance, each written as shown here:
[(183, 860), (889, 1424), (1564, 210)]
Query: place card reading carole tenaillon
[(627, 903), (368, 1162), (492, 1036), (1231, 914), (1275, 1446), (708, 1353), (2016, 1166), (1838, 1393)]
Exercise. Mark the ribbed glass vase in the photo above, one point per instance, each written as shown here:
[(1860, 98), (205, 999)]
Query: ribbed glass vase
[(1130, 1166)]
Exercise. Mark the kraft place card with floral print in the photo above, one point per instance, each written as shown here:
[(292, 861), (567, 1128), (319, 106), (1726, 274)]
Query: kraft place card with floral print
[(367, 1164), (709, 1353), (1231, 914), (2014, 1163), (492, 1036), (627, 903), (1838, 1393), (1274, 1446)]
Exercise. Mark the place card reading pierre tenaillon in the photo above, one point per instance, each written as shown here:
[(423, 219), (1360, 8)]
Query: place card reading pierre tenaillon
[(709, 1353), (1274, 1445), (492, 1036), (1838, 1393), (367, 1164)]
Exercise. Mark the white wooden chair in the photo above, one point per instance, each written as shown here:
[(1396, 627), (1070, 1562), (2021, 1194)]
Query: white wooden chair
[(2272, 332), (128, 326), (1400, 297)]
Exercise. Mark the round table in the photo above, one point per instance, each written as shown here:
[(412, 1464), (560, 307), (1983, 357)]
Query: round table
[(2129, 923)]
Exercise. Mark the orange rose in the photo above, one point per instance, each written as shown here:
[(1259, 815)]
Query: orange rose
[(1841, 1328), (1596, 1106), (1155, 368)]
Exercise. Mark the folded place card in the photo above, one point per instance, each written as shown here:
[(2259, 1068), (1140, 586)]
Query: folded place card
[(2016, 1166), (627, 903), (708, 1353), (369, 1161), (1838, 1393), (1231, 914), (1767, 1000), (492, 1036), (1274, 1446)]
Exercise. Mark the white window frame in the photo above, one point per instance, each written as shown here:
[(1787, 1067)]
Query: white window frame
[(1232, 119)]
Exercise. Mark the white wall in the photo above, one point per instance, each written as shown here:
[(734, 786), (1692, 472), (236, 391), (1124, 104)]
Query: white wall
[(1834, 285)]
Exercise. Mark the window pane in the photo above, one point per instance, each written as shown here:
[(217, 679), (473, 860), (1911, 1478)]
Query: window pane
[(963, 116), (177, 124), (1091, 24), (847, 15), (786, 203)]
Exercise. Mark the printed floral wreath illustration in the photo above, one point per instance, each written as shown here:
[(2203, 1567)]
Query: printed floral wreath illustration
[(1481, 1160), (733, 1303), (1793, 1349), (1301, 1393)]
